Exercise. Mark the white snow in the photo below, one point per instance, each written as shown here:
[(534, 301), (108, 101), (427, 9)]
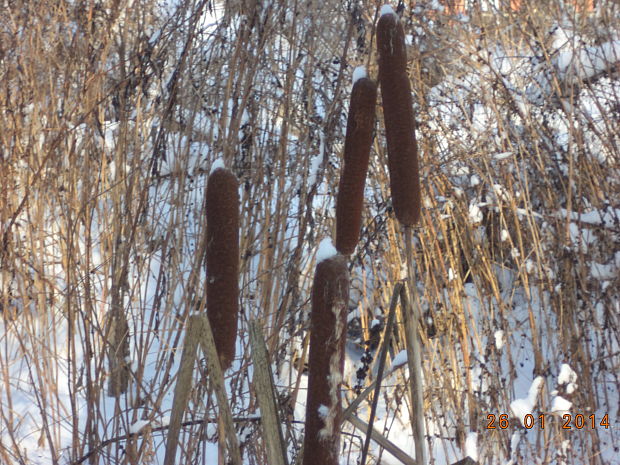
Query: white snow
[(137, 426), (353, 315), (436, 5), (402, 272), (326, 250), (400, 359), (568, 378), (573, 62), (334, 380), (460, 170), (523, 212), (475, 214), (581, 238), (530, 266), (315, 164), (217, 164), (567, 375), (471, 445), (323, 411), (374, 323), (387, 10), (603, 272), (502, 156), (358, 73), (587, 62), (524, 406), (499, 339), (562, 452), (501, 192), (560, 37), (560, 405), (505, 235), (607, 217)]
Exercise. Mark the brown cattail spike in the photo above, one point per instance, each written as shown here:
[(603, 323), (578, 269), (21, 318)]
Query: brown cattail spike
[(223, 261), (330, 294), (399, 120), (360, 125)]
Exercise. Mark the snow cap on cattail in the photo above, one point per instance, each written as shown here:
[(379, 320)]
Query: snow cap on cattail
[(399, 119), (217, 164), (326, 250), (328, 319), (360, 125), (387, 10), (222, 204), (358, 73)]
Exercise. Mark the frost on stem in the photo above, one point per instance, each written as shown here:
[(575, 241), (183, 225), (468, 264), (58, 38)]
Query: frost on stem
[(223, 261), (330, 294), (358, 140), (399, 120)]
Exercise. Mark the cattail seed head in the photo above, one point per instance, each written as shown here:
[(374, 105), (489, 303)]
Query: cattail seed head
[(222, 199), (360, 125), (399, 119), (330, 294)]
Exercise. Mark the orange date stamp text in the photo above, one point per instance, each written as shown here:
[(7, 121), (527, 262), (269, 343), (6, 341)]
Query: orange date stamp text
[(529, 421)]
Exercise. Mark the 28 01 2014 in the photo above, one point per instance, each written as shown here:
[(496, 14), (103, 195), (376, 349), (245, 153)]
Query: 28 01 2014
[(568, 421)]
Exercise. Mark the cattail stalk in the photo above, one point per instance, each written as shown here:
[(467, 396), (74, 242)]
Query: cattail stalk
[(223, 261), (411, 316), (399, 119), (330, 293), (360, 125), (405, 187)]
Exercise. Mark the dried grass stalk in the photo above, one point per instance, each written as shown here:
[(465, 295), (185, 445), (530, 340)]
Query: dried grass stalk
[(330, 293), (223, 261), (360, 124), (399, 120)]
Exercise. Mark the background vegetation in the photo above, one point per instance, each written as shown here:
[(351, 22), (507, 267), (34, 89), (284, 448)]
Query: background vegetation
[(111, 114)]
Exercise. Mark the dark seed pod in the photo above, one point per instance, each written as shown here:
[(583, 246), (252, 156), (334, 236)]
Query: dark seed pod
[(360, 125), (399, 119), (330, 294), (223, 261)]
